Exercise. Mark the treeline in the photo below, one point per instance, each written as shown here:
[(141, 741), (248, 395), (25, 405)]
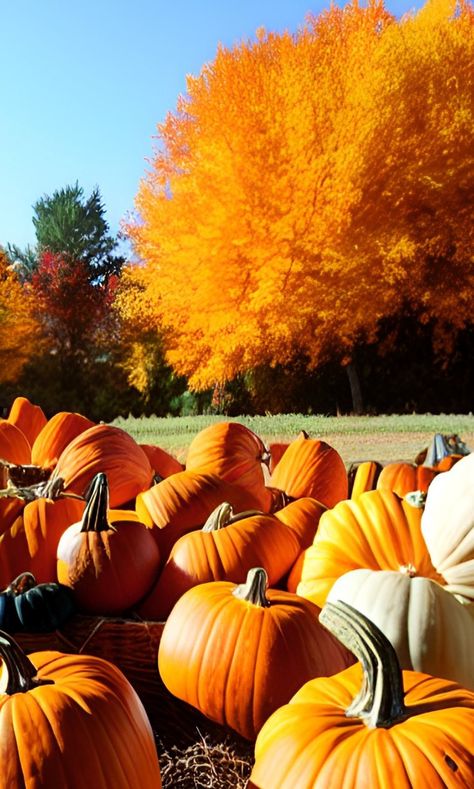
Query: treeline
[(303, 240)]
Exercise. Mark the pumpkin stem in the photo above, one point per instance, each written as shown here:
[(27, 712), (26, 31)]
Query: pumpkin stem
[(253, 590), (20, 584), (94, 517), (416, 498), (18, 672), (224, 515), (380, 701)]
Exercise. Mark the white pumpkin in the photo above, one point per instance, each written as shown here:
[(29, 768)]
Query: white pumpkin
[(430, 630), (447, 524)]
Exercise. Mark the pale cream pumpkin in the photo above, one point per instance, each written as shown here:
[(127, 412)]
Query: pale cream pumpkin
[(430, 630)]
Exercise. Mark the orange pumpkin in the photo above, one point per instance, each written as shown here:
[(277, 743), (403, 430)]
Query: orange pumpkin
[(110, 567), (14, 446), (107, 449), (30, 543), (235, 453), (183, 502), (363, 476), (236, 653), (162, 463), (72, 721), (54, 437), (404, 477), (311, 468), (28, 417), (226, 548), (377, 531), (371, 725)]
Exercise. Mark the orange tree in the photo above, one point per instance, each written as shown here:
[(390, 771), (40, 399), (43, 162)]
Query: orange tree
[(308, 186), (19, 332)]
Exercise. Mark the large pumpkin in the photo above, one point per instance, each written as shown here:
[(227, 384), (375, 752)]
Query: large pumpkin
[(109, 450), (237, 653), (110, 567), (227, 547), (429, 629), (235, 453), (310, 467), (371, 725), (183, 502), (71, 721), (447, 525), (376, 531)]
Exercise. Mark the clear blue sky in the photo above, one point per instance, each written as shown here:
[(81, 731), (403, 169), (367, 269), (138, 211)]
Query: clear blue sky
[(85, 82)]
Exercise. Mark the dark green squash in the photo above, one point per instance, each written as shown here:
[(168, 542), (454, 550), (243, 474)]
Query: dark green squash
[(26, 606)]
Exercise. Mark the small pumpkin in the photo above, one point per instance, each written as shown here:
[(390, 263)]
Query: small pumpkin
[(236, 653), (71, 721), (26, 606), (371, 725), (363, 476), (55, 435), (403, 477)]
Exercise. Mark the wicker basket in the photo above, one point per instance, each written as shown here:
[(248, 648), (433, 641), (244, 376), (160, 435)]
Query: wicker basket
[(132, 644)]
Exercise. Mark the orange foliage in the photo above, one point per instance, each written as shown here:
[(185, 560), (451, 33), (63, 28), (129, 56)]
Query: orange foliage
[(18, 329), (307, 186)]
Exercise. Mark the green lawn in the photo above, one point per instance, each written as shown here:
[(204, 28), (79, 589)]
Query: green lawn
[(383, 438)]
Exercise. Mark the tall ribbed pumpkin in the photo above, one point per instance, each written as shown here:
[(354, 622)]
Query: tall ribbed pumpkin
[(28, 417), (55, 435)]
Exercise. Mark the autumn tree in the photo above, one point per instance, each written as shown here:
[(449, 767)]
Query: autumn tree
[(308, 186), (19, 332)]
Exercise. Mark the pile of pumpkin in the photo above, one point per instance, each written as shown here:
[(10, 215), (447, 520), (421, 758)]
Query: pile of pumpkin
[(327, 615)]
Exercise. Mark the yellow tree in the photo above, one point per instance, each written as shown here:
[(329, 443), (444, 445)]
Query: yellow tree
[(308, 186), (18, 329)]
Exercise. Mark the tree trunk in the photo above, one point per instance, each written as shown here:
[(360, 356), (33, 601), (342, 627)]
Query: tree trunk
[(356, 392)]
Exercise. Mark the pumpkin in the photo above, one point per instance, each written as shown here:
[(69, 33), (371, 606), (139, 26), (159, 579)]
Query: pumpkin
[(162, 463), (363, 476), (55, 435), (404, 477), (71, 721), (235, 453), (377, 531), (237, 653), (182, 503), (15, 448), (429, 629), (447, 525), (31, 542), (226, 548), (110, 567), (28, 417), (34, 608), (371, 725), (109, 450), (311, 468)]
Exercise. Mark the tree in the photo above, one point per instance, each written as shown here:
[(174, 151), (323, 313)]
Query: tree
[(18, 330), (308, 186)]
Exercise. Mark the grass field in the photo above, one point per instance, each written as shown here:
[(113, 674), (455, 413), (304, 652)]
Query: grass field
[(382, 438)]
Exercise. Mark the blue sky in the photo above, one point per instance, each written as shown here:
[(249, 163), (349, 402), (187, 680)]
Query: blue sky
[(84, 85)]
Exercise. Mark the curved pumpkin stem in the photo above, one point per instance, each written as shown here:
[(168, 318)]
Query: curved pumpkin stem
[(380, 701), (19, 674), (94, 517), (21, 584), (224, 515), (253, 590)]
